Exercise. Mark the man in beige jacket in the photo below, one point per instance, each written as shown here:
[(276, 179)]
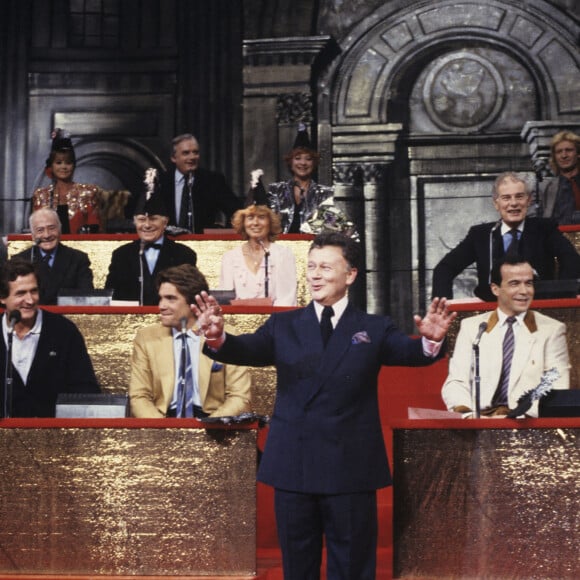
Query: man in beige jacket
[(159, 387)]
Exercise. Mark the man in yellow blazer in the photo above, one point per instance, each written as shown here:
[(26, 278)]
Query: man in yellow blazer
[(156, 363)]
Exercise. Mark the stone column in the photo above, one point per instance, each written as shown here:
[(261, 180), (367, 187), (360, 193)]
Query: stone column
[(362, 156)]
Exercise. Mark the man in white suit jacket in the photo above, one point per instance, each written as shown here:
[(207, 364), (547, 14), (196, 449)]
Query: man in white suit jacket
[(221, 390), (540, 345)]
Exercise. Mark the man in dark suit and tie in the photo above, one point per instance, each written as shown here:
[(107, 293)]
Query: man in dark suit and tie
[(49, 355), (539, 242), (134, 266), (59, 267), (194, 196), (325, 455)]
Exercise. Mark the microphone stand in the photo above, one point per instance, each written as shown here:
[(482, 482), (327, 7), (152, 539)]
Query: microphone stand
[(181, 402), (266, 273), (190, 202), (8, 378), (477, 383), (141, 273)]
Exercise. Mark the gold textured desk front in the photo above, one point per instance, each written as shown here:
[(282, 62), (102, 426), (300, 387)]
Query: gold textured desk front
[(209, 250), (490, 499), (109, 334), (127, 501)]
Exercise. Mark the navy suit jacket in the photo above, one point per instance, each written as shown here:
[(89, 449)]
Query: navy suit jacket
[(540, 243), (61, 365), (325, 433), (210, 194), (71, 269), (124, 270)]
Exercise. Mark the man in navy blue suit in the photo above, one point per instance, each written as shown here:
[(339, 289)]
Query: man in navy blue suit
[(325, 455)]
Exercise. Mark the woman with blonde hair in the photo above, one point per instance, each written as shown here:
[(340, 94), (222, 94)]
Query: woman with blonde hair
[(259, 268)]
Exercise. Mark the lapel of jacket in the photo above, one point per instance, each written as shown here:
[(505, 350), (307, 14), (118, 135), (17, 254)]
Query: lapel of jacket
[(165, 362), (204, 372), (338, 345)]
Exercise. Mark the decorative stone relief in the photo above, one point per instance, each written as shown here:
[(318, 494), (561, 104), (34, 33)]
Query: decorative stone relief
[(292, 108), (463, 91)]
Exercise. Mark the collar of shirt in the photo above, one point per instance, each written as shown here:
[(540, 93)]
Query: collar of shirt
[(37, 327), (338, 307), (506, 229), (180, 179), (176, 333), (502, 317), (157, 241)]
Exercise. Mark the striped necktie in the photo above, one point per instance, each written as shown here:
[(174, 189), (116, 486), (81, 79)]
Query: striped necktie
[(501, 394)]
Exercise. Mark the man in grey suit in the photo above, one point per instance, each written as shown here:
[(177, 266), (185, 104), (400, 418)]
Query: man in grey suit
[(325, 455), (58, 266)]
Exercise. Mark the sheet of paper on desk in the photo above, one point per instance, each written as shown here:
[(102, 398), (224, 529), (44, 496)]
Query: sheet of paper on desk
[(418, 413)]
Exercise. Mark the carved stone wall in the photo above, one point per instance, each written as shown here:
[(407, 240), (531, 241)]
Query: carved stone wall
[(461, 79)]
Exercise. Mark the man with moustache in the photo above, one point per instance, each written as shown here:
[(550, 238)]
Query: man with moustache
[(134, 266), (159, 386), (49, 355), (537, 241), (192, 195), (59, 267)]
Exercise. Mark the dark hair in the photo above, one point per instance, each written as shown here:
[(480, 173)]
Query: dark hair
[(63, 150), (13, 269), (496, 276), (188, 280), (351, 251), (239, 220)]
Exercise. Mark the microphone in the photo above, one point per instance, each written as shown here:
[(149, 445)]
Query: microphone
[(496, 225), (183, 321), (13, 319), (141, 273), (482, 329), (266, 251)]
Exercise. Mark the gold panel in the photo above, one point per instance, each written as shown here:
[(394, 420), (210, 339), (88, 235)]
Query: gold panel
[(109, 339), (209, 256), (80, 501), (486, 503)]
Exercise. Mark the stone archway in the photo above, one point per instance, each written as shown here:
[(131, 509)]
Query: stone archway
[(435, 95)]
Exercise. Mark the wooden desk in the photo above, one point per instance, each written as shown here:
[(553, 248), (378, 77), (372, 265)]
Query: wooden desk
[(487, 499), (127, 497), (209, 250)]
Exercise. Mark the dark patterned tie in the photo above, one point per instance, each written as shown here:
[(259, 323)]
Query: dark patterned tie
[(513, 248), (326, 324), (501, 394), (185, 385)]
